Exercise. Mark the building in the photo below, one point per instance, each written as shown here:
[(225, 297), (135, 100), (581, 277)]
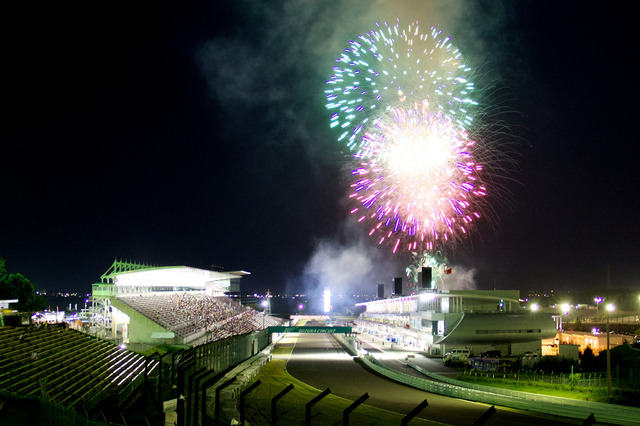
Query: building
[(596, 341), (480, 320), (133, 303)]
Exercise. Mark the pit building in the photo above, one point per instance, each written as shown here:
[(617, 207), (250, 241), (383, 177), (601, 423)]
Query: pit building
[(435, 322)]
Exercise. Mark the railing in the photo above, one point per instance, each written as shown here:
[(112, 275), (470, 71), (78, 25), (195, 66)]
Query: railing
[(348, 345), (630, 380), (564, 407), (103, 290)]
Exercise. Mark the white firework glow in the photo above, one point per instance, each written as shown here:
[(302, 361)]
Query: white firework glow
[(416, 179)]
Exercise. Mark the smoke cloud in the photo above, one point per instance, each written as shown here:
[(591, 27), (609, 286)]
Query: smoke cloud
[(461, 278), (348, 265), (268, 75)]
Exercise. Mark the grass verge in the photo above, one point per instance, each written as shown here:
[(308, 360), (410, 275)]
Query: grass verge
[(596, 394)]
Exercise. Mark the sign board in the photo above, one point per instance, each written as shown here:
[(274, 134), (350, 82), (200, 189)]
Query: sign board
[(309, 329)]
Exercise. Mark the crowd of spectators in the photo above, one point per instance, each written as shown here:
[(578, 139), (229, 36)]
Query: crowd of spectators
[(186, 313), (241, 323)]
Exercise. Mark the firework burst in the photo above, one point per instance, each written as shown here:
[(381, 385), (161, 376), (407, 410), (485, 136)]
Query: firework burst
[(391, 67), (417, 180), (402, 102)]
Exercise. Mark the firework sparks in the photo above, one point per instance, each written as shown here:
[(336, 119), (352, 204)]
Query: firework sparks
[(402, 103), (390, 67), (417, 180)]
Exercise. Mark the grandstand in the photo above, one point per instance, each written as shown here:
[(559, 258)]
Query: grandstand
[(61, 372), (145, 305), (193, 316), (67, 367)]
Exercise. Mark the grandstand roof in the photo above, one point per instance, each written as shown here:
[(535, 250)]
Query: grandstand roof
[(124, 273), (488, 295)]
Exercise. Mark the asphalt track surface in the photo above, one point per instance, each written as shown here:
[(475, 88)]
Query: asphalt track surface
[(320, 361)]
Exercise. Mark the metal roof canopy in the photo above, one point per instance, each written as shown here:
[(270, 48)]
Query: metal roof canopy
[(120, 267)]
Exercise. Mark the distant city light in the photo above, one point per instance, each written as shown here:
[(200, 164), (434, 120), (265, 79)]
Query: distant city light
[(611, 307), (565, 308), (534, 307)]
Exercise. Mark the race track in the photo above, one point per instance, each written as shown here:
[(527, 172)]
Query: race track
[(320, 361)]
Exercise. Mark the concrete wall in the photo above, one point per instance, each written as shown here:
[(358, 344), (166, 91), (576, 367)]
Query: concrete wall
[(500, 329), (141, 327), (569, 351)]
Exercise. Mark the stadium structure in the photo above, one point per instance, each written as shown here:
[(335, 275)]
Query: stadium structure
[(437, 321), (59, 375), (141, 304)]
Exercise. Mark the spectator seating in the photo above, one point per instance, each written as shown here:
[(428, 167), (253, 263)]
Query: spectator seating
[(186, 313), (64, 365)]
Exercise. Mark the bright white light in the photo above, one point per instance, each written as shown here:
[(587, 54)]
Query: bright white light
[(182, 276), (611, 307), (327, 300), (444, 305), (428, 296), (534, 307), (323, 355), (416, 153), (565, 308)]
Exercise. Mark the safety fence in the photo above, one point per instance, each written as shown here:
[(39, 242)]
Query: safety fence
[(627, 380), (198, 375), (564, 407)]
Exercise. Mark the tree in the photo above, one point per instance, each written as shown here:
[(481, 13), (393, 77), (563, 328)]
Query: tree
[(16, 286), (588, 360), (556, 364)]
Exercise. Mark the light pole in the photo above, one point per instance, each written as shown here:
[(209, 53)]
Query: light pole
[(610, 308)]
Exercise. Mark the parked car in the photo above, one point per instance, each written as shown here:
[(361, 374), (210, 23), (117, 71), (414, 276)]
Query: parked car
[(457, 356)]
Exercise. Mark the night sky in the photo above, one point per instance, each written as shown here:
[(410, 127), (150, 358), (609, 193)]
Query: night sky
[(196, 135)]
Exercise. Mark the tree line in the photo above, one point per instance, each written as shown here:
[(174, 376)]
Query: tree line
[(17, 286)]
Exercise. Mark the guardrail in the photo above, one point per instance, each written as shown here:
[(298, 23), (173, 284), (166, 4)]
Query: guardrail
[(628, 380), (564, 407), (347, 346)]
